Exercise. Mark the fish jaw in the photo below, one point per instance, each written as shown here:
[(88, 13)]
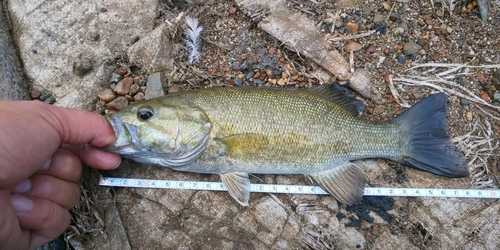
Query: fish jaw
[(126, 136)]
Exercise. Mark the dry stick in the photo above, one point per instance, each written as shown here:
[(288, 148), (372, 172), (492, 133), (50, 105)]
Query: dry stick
[(351, 61), (472, 97), (390, 12), (396, 95), (335, 39), (450, 65)]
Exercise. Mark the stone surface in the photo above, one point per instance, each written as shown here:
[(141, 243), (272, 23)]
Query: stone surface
[(154, 87), (69, 33), (12, 83), (154, 51)]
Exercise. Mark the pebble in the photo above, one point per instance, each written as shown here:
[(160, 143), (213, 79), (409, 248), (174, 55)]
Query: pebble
[(480, 77), (400, 59), (139, 97), (386, 6), (468, 116), (496, 96), (35, 94), (485, 97), (259, 82), (154, 88), (378, 18), (461, 81), (50, 100), (107, 95), (238, 81), (80, 69), (257, 74), (353, 27), (367, 10), (281, 82), (271, 50), (339, 23), (377, 110), (134, 89), (137, 80), (439, 13), (173, 89), (429, 21), (398, 31), (115, 77), (404, 26), (394, 17), (43, 97), (411, 48), (381, 28), (370, 49), (464, 102), (123, 86), (122, 71), (250, 74), (118, 103), (352, 46), (269, 73)]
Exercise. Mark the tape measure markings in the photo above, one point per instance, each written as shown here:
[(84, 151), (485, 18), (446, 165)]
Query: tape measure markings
[(298, 189)]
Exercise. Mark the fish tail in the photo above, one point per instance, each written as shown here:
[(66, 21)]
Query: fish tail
[(429, 148)]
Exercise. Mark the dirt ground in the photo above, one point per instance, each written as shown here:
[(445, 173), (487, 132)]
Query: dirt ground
[(236, 52)]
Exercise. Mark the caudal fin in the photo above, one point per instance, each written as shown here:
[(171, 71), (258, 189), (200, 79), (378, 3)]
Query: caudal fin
[(429, 147)]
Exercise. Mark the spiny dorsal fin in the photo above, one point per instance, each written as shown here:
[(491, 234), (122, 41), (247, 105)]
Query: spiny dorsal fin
[(238, 185), (346, 183), (339, 95)]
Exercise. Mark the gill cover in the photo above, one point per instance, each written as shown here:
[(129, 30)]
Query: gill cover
[(152, 133)]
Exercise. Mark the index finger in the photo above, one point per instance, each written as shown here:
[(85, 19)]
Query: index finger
[(32, 131)]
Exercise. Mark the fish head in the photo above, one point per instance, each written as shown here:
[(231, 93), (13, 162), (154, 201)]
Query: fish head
[(157, 133)]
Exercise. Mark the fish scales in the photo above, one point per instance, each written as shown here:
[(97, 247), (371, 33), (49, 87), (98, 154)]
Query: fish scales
[(305, 133), (236, 131)]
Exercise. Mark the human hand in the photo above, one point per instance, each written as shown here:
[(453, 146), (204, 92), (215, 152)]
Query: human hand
[(40, 151)]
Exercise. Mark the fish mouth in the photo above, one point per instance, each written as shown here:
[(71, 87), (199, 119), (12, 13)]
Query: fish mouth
[(126, 136)]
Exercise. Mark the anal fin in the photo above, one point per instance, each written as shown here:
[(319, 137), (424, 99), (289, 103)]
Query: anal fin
[(346, 183), (238, 185)]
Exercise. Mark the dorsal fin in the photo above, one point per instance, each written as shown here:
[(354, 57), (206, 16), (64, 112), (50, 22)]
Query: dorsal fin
[(339, 95)]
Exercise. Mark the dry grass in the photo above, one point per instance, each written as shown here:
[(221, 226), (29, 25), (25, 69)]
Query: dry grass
[(86, 218)]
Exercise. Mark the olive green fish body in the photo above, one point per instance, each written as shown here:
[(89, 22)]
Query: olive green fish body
[(281, 131), (236, 131)]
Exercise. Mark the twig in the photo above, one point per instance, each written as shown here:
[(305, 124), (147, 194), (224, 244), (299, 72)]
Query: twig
[(395, 94), (335, 39)]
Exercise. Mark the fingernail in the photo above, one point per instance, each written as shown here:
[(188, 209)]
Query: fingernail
[(22, 187), (46, 165), (118, 164), (21, 203)]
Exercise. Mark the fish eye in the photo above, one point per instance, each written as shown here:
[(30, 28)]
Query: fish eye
[(145, 113)]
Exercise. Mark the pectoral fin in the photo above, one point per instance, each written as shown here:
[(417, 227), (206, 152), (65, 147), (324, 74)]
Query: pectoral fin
[(346, 183), (238, 185)]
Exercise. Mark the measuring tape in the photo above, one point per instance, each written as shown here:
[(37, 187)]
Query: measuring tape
[(298, 189)]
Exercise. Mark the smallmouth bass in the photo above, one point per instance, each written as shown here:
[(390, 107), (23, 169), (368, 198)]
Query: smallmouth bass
[(236, 131)]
